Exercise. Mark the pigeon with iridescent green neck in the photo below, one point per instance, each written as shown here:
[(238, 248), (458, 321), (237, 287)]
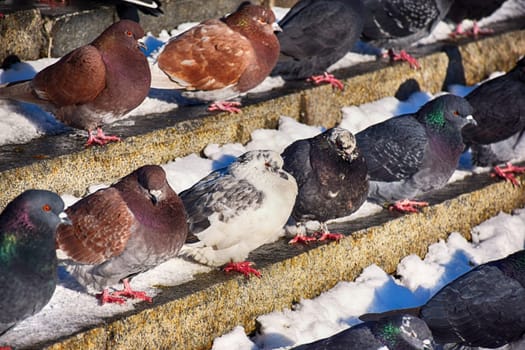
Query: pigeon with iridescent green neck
[(412, 154), (27, 254)]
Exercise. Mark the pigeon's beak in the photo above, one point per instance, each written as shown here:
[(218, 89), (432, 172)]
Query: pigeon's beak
[(142, 45), (155, 195), (64, 219), (470, 120), (276, 27)]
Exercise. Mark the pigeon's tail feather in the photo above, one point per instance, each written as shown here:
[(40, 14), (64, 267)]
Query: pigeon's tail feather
[(19, 91), (414, 311)]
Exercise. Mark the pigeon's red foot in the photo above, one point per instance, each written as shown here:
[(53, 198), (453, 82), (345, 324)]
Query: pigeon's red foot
[(507, 173), (127, 292), (302, 239), (100, 138), (475, 31), (329, 236), (403, 56), (225, 106), (407, 206), (6, 348), (327, 78), (244, 267), (107, 297)]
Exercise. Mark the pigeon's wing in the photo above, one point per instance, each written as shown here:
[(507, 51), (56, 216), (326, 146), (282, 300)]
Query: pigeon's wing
[(77, 78), (397, 19), (499, 110), (102, 225), (478, 308), (297, 161), (394, 149), (209, 56), (315, 28), (218, 194), (356, 337)]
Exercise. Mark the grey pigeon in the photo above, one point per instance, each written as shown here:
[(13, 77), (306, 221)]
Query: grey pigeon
[(499, 110), (415, 153), (92, 85), (234, 210), (331, 175), (120, 231), (219, 59), (27, 254), (399, 332), (480, 308), (316, 34), (399, 23)]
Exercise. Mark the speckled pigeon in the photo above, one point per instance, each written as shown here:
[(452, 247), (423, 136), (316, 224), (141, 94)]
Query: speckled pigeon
[(415, 153), (316, 34), (399, 23), (331, 175), (234, 210), (219, 59), (27, 254), (399, 332), (92, 85), (480, 308), (120, 231), (499, 110)]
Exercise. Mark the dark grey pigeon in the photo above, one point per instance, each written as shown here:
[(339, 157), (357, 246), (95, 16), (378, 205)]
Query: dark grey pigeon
[(117, 232), (399, 23), (473, 10), (128, 9), (499, 110), (331, 175), (415, 153), (234, 210), (480, 308), (92, 85), (316, 34), (27, 254), (399, 332)]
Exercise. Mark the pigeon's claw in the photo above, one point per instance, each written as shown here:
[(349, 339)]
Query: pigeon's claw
[(129, 293), (327, 78), (407, 206), (100, 138), (302, 239), (107, 297), (244, 267), (225, 106), (507, 173), (329, 236), (403, 56)]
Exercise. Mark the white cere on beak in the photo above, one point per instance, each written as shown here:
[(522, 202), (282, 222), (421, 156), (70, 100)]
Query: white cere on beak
[(276, 27)]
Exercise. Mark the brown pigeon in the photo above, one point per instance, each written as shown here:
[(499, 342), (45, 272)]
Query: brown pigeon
[(93, 84), (221, 58), (117, 232)]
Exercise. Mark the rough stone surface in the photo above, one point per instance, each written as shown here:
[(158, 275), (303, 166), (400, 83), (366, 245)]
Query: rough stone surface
[(21, 33)]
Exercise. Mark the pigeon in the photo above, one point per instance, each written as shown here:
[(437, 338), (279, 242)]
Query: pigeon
[(331, 175), (415, 153), (499, 110), (316, 34), (120, 231), (128, 9), (480, 308), (220, 58), (28, 261), (398, 332), (92, 85), (474, 10), (234, 210), (399, 23)]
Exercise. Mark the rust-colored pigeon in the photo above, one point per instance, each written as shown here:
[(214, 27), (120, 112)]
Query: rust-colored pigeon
[(220, 58), (92, 85), (120, 231)]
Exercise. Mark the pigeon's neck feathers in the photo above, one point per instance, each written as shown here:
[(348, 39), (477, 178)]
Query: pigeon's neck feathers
[(513, 266), (389, 333), (7, 247), (434, 118)]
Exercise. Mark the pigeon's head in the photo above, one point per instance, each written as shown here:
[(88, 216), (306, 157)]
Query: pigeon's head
[(250, 17), (344, 142), (124, 32), (262, 159), (405, 332), (153, 182), (38, 211), (447, 110)]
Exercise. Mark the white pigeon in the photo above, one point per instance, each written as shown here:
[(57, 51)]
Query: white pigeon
[(234, 210)]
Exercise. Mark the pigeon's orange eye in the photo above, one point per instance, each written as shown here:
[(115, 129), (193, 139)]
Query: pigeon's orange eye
[(46, 207), (456, 113), (128, 33)]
